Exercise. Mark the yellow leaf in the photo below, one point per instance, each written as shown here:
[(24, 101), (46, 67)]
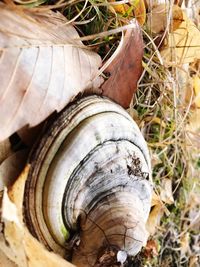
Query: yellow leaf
[(158, 18), (155, 200), (136, 6), (23, 248), (155, 120), (185, 244), (193, 129), (182, 45), (140, 12), (177, 18), (196, 85), (194, 123), (166, 191), (194, 261), (154, 218), (121, 9), (157, 211)]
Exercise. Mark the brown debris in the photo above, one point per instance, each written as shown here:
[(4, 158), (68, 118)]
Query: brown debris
[(125, 69)]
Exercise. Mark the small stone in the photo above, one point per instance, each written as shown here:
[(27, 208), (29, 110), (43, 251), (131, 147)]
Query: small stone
[(121, 256)]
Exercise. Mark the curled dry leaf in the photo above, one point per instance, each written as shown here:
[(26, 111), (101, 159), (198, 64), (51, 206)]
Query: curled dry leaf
[(154, 218), (125, 69), (15, 241), (158, 206), (43, 66), (157, 211)]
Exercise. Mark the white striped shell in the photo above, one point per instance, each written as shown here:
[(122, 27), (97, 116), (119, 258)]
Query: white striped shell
[(90, 174)]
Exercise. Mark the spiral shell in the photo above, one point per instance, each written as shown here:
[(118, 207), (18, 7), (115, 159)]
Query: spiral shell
[(90, 175)]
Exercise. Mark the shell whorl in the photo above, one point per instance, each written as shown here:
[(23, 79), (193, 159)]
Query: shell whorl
[(90, 173)]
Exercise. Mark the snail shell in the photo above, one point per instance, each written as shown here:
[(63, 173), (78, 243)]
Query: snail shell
[(90, 174)]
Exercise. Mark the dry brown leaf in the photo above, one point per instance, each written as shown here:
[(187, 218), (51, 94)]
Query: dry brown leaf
[(29, 135), (5, 150), (5, 262), (166, 194), (185, 83), (11, 167), (191, 209), (155, 199), (158, 18), (134, 114), (16, 242), (43, 66), (194, 261), (149, 3), (151, 249), (125, 69), (183, 45), (185, 244), (193, 129), (155, 215), (196, 85)]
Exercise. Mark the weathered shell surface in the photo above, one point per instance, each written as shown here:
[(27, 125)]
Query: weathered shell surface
[(90, 174)]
